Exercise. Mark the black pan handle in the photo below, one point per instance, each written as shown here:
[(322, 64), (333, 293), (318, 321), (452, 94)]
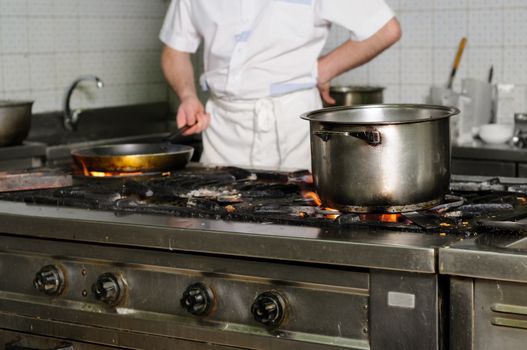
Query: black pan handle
[(172, 138)]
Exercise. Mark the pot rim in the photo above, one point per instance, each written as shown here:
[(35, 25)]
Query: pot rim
[(355, 88), (15, 103), (315, 116)]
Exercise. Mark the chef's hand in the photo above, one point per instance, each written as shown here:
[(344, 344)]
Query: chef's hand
[(323, 88), (324, 80), (191, 112)]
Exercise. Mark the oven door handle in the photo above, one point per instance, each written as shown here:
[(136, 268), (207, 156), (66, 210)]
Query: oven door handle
[(15, 345)]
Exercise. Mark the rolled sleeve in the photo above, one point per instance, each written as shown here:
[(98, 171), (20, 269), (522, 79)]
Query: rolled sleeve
[(362, 18), (178, 30)]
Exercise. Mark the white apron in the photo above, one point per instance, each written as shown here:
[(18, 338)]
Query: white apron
[(264, 133)]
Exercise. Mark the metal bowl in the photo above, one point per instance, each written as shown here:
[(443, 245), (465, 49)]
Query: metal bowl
[(15, 121)]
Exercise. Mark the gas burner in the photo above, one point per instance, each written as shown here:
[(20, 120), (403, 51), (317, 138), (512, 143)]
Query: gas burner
[(114, 175), (99, 174), (235, 194)]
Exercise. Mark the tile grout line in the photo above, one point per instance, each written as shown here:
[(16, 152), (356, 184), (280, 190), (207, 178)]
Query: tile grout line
[(2, 78), (434, 73), (79, 53), (400, 85), (502, 53), (28, 53), (56, 80), (467, 53)]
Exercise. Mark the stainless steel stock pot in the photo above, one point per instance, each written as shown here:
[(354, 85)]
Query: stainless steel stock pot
[(381, 158), (352, 95)]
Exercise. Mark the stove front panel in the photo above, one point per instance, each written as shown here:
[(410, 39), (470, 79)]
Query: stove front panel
[(500, 314), (141, 290)]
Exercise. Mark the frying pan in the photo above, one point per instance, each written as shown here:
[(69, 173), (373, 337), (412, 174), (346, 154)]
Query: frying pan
[(135, 157)]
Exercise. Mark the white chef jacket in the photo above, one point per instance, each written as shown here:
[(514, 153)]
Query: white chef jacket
[(260, 48), (260, 65)]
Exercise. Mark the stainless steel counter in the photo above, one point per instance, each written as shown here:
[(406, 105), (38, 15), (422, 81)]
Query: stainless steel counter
[(497, 257), (382, 249), (478, 158), (25, 156), (479, 150), (485, 256)]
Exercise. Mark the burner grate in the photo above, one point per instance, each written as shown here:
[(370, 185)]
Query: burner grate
[(267, 197)]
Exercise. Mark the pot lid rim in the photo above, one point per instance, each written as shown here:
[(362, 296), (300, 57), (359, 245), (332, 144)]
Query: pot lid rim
[(15, 103), (90, 152), (356, 88), (449, 112)]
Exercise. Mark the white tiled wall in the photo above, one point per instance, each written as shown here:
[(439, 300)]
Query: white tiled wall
[(497, 35), (46, 44)]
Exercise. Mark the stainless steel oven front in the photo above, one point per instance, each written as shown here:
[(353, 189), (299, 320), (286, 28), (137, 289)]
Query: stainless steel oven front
[(71, 295)]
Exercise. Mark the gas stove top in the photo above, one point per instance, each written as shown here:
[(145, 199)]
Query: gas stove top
[(260, 214), (267, 197)]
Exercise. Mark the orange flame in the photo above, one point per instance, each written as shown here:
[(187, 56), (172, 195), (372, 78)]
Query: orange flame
[(313, 196), (110, 174), (332, 216), (391, 218), (316, 199)]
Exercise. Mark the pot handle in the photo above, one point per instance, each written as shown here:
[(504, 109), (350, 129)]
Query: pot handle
[(372, 136)]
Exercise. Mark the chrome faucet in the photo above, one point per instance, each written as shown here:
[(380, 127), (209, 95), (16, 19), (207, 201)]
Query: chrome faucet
[(72, 117), (519, 139)]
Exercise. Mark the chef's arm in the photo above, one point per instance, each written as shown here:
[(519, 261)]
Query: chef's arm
[(179, 73), (352, 54)]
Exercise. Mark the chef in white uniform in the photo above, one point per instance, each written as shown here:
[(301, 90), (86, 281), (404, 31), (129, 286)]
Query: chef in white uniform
[(263, 70)]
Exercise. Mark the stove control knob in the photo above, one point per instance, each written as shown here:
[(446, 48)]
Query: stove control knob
[(198, 299), (109, 288), (269, 309), (49, 280)]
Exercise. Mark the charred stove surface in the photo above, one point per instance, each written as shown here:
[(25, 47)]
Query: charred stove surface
[(235, 194)]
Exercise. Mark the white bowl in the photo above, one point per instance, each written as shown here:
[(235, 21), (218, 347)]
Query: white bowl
[(496, 133)]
